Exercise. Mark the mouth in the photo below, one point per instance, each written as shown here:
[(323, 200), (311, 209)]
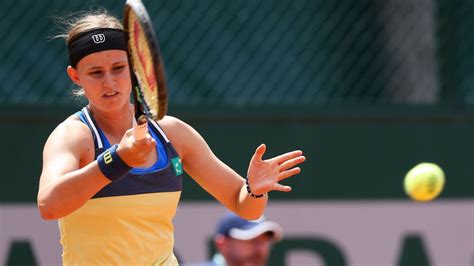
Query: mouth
[(110, 94)]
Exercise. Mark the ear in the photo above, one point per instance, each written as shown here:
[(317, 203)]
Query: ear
[(73, 75), (219, 242)]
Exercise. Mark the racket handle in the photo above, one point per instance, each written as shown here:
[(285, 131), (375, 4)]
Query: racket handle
[(140, 128)]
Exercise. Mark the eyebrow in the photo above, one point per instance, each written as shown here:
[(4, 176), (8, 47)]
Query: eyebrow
[(120, 62), (113, 64), (94, 68)]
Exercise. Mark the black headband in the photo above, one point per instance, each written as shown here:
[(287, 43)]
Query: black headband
[(95, 41)]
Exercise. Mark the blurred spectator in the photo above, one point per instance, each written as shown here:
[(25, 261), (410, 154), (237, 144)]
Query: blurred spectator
[(241, 242)]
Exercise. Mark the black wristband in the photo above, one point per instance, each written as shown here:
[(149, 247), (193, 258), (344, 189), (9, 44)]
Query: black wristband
[(250, 191), (111, 164)]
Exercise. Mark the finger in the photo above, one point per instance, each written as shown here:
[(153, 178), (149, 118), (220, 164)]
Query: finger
[(146, 143), (289, 173), (282, 188), (291, 163), (152, 142), (259, 152), (149, 138), (287, 156)]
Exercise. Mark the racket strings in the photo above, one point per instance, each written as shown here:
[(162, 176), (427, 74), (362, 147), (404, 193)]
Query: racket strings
[(142, 61)]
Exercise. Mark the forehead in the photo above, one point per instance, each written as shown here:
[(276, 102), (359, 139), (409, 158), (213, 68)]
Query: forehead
[(103, 58)]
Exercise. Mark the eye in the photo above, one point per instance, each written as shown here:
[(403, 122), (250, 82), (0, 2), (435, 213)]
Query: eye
[(96, 73), (118, 68)]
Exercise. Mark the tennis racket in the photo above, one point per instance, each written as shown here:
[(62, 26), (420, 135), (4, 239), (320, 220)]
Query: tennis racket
[(149, 87)]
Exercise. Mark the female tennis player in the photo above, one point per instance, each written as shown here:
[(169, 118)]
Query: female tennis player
[(114, 197)]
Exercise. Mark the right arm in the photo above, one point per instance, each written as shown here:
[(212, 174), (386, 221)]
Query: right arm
[(71, 175), (64, 186)]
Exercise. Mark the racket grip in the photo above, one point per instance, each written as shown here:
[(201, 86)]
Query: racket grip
[(140, 128)]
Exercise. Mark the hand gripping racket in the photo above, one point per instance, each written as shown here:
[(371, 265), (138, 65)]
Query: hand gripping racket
[(149, 87)]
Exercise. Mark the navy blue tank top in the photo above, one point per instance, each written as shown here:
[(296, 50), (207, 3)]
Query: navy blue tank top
[(165, 175)]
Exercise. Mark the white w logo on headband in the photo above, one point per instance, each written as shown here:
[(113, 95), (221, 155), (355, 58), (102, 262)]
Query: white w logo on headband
[(98, 38)]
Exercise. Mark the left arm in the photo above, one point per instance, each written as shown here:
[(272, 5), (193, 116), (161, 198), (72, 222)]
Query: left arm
[(224, 183)]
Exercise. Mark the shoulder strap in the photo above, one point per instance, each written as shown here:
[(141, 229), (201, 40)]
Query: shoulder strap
[(87, 119), (154, 125), (92, 126)]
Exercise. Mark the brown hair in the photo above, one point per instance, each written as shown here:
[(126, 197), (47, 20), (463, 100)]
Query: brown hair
[(87, 21)]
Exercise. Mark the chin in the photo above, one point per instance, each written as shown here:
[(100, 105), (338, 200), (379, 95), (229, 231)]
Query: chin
[(112, 106)]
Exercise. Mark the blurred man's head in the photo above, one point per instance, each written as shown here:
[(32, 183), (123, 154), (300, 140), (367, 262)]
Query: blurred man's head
[(243, 242)]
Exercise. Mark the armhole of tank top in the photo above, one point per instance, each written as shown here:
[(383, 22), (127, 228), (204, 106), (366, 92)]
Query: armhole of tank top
[(163, 138)]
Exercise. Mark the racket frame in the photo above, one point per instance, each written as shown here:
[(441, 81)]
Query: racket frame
[(142, 108)]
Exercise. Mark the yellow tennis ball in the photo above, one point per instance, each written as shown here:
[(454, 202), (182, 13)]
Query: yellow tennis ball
[(424, 182)]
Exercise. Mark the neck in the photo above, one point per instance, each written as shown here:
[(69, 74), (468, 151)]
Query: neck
[(114, 123)]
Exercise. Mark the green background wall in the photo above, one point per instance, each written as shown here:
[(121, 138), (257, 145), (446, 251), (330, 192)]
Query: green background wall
[(361, 155)]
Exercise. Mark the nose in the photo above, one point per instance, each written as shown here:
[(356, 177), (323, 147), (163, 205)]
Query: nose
[(108, 81)]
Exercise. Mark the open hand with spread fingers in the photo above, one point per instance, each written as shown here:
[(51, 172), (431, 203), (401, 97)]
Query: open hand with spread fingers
[(264, 175)]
